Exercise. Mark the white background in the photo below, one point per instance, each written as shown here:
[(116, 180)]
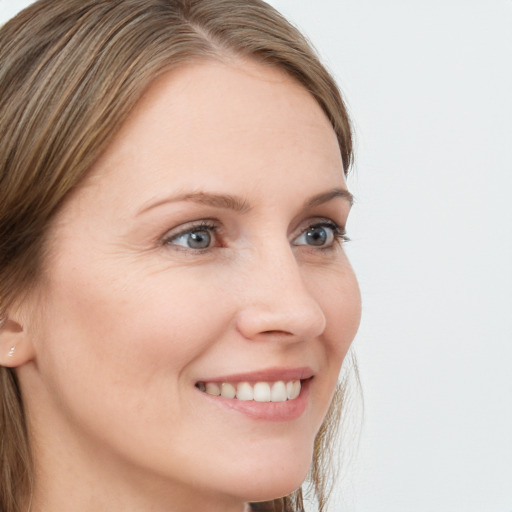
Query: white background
[(429, 87)]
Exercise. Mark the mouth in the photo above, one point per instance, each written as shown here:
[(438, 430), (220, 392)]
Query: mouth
[(269, 385), (275, 394), (260, 391)]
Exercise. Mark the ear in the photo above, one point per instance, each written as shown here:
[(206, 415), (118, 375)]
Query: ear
[(16, 349)]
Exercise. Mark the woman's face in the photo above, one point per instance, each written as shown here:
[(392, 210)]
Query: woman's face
[(203, 250)]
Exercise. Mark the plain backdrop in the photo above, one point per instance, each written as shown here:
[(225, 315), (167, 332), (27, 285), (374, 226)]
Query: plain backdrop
[(429, 89)]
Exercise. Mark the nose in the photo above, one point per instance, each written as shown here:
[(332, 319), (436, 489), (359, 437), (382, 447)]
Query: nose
[(275, 301)]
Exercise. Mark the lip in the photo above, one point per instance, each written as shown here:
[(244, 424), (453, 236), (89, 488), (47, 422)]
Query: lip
[(265, 375), (265, 411)]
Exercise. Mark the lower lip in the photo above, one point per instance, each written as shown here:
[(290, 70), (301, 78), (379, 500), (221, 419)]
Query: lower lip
[(266, 411)]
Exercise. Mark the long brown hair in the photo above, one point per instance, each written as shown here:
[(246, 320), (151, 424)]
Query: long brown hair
[(70, 73)]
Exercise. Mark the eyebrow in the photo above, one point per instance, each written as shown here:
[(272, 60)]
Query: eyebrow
[(324, 197), (225, 201), (238, 204)]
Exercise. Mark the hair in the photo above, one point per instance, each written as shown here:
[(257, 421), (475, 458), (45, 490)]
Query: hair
[(71, 71)]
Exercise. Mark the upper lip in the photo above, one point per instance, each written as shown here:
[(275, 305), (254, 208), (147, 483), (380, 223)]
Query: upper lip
[(265, 375)]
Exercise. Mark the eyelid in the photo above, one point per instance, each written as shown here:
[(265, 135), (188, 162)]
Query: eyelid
[(322, 221), (338, 231), (212, 226), (184, 229)]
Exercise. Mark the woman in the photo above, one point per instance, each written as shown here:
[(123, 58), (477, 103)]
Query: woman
[(175, 299)]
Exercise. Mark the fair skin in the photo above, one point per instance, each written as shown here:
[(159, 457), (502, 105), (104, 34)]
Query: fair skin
[(239, 161)]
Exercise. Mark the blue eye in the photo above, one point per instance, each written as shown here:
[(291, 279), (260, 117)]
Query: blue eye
[(197, 237), (321, 235)]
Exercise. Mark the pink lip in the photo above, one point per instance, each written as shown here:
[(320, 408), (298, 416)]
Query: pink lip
[(265, 411), (268, 375)]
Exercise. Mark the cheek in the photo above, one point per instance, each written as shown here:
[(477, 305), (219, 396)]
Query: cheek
[(337, 292), (125, 326), (115, 351)]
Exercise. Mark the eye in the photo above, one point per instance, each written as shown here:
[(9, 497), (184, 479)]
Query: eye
[(198, 237), (322, 235)]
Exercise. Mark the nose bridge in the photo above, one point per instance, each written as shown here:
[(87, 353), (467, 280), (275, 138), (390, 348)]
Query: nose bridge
[(276, 298)]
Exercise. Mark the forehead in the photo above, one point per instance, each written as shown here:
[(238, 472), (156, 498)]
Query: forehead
[(211, 123)]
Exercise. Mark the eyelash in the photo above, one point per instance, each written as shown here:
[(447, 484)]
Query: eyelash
[(208, 226), (338, 233)]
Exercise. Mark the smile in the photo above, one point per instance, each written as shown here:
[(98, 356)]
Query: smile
[(279, 391)]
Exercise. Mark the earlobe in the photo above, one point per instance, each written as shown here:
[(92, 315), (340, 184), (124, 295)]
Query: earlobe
[(15, 348)]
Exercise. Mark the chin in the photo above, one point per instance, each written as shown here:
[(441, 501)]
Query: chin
[(274, 478), (275, 489)]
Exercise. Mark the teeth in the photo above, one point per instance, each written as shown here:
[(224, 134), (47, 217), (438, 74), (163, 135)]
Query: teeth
[(244, 391), (262, 392), (227, 390), (213, 389), (259, 392), (278, 393), (293, 389)]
